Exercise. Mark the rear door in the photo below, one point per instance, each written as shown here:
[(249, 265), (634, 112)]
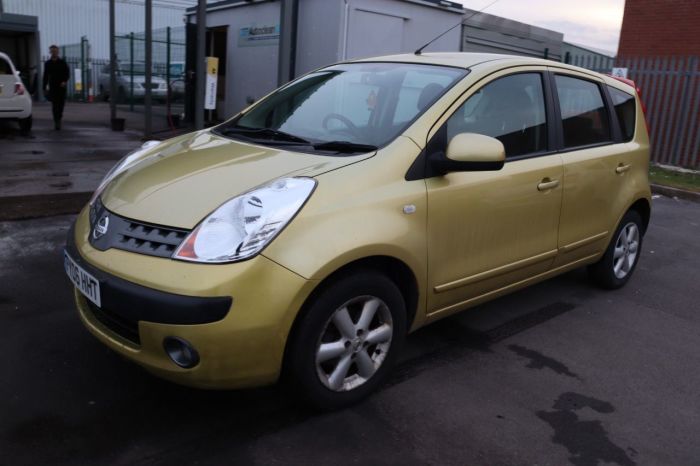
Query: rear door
[(596, 160)]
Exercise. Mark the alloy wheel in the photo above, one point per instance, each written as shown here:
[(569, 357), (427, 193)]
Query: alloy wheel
[(626, 250), (354, 343)]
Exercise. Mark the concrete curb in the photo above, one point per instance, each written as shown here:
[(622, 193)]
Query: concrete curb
[(675, 192), (41, 205)]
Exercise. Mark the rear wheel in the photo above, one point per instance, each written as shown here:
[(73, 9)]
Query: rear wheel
[(25, 124), (620, 259), (346, 342)]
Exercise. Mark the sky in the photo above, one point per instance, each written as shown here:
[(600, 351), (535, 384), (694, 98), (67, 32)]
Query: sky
[(593, 23)]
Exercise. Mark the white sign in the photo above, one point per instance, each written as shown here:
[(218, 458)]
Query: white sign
[(210, 89), (78, 79), (619, 72)]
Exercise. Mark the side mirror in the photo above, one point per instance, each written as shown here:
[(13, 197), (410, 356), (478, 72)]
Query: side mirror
[(474, 152)]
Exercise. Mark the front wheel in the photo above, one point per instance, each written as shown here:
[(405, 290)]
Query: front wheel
[(347, 340), (616, 266)]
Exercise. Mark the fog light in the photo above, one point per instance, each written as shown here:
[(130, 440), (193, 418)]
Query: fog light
[(181, 352)]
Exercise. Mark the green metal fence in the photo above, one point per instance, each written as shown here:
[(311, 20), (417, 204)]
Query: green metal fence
[(670, 91), (168, 66)]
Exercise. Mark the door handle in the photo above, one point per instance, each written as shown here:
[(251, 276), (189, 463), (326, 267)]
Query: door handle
[(547, 184), (622, 168)]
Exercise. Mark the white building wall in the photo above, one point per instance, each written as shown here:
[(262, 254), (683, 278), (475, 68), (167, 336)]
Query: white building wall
[(251, 72), (63, 22)]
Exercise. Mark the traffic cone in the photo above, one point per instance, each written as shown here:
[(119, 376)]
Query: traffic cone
[(91, 94)]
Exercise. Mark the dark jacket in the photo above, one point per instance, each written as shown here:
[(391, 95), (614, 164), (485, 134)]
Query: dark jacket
[(55, 73)]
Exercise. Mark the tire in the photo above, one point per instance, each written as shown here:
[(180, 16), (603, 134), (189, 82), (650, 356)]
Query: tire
[(366, 363), (25, 124), (612, 272)]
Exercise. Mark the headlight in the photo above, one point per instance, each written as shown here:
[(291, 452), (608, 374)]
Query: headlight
[(244, 225), (130, 159)]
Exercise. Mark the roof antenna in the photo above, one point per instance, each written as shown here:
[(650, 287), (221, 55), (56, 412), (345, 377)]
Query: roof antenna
[(420, 50)]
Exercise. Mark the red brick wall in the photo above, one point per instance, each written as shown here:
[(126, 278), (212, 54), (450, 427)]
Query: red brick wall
[(660, 28)]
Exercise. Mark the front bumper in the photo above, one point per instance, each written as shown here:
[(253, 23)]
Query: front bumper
[(237, 316)]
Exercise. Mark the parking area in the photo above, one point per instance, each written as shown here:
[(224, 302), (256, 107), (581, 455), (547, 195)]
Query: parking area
[(560, 373)]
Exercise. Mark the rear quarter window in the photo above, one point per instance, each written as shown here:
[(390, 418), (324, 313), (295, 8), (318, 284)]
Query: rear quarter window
[(625, 110)]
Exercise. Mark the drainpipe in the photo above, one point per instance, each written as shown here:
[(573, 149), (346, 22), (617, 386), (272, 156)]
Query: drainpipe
[(287, 51), (200, 71), (346, 27)]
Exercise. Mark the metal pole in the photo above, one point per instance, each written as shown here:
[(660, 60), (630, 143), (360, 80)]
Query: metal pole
[(167, 64), (199, 70), (149, 64), (82, 68), (288, 37), (112, 64), (131, 72)]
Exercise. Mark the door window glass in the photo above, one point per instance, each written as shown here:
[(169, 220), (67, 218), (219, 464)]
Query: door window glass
[(419, 89), (510, 109), (583, 113), (626, 111)]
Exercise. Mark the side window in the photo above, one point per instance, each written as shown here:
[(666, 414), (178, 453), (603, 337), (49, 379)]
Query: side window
[(626, 111), (418, 90), (583, 113), (5, 67), (510, 109)]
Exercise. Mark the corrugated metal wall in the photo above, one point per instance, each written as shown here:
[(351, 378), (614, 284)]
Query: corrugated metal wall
[(65, 21)]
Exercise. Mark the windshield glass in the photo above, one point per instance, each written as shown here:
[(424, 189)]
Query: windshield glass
[(357, 106)]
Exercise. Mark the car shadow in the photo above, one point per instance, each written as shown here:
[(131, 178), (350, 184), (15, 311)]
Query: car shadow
[(104, 406)]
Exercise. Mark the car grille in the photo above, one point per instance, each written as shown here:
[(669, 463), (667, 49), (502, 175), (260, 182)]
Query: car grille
[(153, 85), (134, 236), (123, 327), (151, 240)]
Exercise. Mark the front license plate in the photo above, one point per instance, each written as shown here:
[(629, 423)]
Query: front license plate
[(86, 283)]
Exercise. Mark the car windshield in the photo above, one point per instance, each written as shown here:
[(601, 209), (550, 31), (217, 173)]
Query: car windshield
[(348, 108)]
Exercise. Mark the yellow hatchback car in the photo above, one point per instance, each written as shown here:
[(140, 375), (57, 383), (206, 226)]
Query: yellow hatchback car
[(310, 233)]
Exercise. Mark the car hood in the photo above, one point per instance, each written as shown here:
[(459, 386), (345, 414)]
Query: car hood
[(182, 180)]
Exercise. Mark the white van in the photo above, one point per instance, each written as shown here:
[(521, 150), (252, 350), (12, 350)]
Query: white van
[(15, 101)]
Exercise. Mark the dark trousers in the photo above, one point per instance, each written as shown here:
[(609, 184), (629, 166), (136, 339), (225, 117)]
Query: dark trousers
[(58, 101)]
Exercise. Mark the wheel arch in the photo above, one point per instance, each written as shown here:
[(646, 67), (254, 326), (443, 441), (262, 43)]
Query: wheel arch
[(643, 208), (395, 269)]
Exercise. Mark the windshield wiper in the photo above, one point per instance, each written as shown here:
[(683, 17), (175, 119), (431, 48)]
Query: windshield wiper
[(267, 134), (344, 147)]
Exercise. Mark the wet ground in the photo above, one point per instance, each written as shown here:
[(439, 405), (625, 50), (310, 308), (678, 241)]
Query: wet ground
[(48, 171), (560, 373)]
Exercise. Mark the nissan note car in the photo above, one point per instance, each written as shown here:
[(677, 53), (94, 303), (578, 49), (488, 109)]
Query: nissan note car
[(309, 234)]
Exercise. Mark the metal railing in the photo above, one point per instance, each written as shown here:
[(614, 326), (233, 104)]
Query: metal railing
[(670, 91), (670, 88)]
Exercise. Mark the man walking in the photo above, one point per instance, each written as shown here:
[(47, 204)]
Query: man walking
[(56, 74)]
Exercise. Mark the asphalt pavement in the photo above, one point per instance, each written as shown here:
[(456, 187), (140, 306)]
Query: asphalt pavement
[(560, 373), (49, 171)]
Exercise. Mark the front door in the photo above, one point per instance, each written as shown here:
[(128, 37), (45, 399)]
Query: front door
[(488, 230)]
